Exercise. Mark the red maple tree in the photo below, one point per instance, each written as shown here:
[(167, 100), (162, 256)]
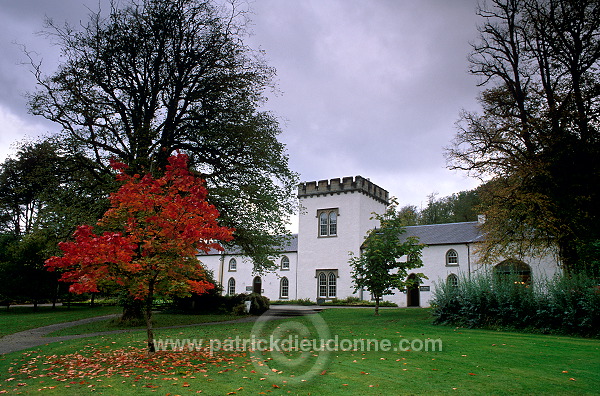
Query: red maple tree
[(158, 227)]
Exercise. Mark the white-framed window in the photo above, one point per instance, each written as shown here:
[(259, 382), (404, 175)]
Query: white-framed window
[(284, 288), (332, 223), (452, 280), (451, 258), (327, 284), (285, 263), (231, 287), (331, 285), (328, 222), (232, 265), (322, 284)]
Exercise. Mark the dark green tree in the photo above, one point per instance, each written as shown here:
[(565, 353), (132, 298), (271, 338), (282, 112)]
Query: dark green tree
[(153, 77), (378, 269), (536, 139), (44, 194), (409, 215), (455, 208)]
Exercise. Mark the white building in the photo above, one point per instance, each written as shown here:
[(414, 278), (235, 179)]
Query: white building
[(335, 216)]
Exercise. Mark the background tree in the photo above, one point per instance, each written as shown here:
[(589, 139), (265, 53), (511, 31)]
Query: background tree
[(536, 139), (44, 194), (455, 208), (157, 225), (378, 269), (156, 76), (409, 215)]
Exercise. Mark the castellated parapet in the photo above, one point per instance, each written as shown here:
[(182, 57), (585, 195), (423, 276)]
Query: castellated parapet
[(344, 186)]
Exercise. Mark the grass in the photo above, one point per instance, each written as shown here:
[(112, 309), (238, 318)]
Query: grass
[(18, 319), (471, 362), (158, 320)]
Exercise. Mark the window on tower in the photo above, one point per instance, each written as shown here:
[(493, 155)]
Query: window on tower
[(327, 283), (328, 222)]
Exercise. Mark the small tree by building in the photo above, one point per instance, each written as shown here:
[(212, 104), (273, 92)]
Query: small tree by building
[(379, 268), (156, 228)]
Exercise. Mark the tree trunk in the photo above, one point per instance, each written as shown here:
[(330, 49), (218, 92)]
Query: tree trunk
[(55, 296), (376, 305), (149, 330), (133, 312)]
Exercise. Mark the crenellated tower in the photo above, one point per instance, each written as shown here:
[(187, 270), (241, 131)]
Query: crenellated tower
[(335, 216)]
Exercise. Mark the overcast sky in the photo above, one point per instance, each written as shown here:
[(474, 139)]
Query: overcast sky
[(368, 87)]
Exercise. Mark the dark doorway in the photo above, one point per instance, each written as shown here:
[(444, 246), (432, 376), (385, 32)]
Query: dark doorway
[(257, 285), (412, 293)]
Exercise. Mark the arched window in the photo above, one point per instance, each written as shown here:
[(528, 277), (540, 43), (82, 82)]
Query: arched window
[(327, 284), (452, 280), (332, 285), (285, 263), (322, 285), (514, 271), (232, 265), (231, 287), (332, 223), (451, 258), (323, 226), (328, 222), (284, 288)]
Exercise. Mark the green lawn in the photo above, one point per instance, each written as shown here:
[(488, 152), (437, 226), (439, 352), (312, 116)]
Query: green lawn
[(471, 361), (158, 320), (18, 319)]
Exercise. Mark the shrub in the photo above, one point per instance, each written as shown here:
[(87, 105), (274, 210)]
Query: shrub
[(562, 304), (357, 302), (239, 309), (259, 303), (213, 301), (301, 301)]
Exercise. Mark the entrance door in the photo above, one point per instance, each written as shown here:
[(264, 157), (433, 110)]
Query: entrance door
[(257, 285), (412, 293)]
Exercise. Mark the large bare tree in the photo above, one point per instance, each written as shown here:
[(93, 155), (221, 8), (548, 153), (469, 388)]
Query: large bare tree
[(536, 139)]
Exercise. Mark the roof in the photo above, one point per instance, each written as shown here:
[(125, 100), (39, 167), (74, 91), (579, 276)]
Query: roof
[(290, 245), (431, 234), (445, 234)]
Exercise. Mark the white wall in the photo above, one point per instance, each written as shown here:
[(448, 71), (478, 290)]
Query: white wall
[(244, 274), (314, 252)]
